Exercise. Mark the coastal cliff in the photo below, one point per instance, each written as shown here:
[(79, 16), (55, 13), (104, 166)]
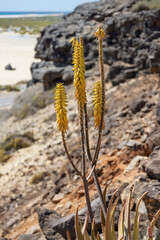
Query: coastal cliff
[(132, 44)]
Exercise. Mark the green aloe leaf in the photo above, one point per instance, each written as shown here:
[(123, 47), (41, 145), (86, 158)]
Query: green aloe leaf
[(108, 227), (127, 220), (84, 229), (102, 215), (121, 224), (77, 228), (112, 217), (86, 236), (158, 235), (93, 230), (68, 236), (136, 220), (151, 226)]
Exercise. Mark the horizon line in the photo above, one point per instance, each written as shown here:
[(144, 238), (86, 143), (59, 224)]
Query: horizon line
[(35, 11)]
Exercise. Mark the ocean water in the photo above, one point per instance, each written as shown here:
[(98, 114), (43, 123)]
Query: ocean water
[(28, 13)]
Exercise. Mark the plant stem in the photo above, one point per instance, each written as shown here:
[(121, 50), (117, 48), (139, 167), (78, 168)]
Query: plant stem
[(102, 202), (83, 163), (82, 140), (86, 133), (88, 202), (101, 65), (69, 157)]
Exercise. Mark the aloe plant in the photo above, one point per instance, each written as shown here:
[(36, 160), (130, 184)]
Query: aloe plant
[(81, 98), (107, 215), (107, 223)]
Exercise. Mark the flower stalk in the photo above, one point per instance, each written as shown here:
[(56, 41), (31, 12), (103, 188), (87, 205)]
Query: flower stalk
[(80, 96), (100, 35)]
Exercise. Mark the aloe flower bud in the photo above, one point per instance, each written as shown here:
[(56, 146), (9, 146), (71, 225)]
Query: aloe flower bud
[(100, 33), (79, 71), (97, 103), (60, 108)]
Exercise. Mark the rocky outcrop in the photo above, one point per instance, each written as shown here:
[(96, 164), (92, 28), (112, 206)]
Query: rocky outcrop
[(52, 224), (153, 165), (132, 43)]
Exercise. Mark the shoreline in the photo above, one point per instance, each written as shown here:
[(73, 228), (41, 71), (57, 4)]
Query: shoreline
[(7, 99), (31, 15), (17, 50)]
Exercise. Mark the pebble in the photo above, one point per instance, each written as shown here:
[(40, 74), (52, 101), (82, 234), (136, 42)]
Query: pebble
[(58, 197), (13, 220), (134, 163), (133, 143)]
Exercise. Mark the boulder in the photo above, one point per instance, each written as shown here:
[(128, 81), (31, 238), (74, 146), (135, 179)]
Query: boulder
[(67, 74), (153, 164), (9, 67), (118, 72), (151, 200), (52, 224), (158, 111), (47, 74), (36, 236), (154, 138), (46, 219), (136, 105)]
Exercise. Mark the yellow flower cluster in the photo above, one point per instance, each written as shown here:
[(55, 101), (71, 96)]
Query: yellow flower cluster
[(100, 33), (97, 102), (60, 107), (79, 71)]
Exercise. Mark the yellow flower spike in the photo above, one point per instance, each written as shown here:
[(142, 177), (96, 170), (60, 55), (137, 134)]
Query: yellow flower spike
[(100, 33), (73, 40), (79, 72), (97, 102), (60, 108)]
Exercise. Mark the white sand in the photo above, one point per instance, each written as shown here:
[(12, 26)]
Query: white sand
[(32, 15), (18, 50)]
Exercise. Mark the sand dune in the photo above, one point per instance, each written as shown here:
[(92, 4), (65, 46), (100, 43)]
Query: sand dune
[(18, 50)]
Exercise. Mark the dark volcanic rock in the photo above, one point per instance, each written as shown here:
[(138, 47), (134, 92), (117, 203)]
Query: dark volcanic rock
[(46, 219), (151, 200), (137, 104), (158, 111), (132, 38), (154, 138), (153, 166), (30, 236), (9, 67), (52, 224)]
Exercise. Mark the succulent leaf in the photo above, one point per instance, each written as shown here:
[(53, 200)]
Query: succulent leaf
[(136, 220), (127, 221), (108, 226), (77, 228), (151, 226), (121, 224), (68, 236), (93, 230), (102, 215), (112, 217)]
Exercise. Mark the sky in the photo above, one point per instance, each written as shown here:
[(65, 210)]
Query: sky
[(40, 5)]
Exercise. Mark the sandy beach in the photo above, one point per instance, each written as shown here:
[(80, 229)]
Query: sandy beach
[(31, 15), (17, 50)]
